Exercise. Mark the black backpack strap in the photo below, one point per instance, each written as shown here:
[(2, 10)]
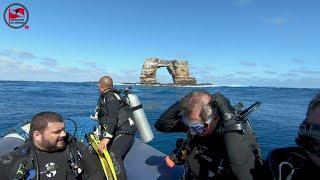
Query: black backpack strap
[(115, 93), (75, 158), (24, 168)]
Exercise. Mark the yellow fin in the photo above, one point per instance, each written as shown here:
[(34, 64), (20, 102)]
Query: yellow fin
[(104, 158)]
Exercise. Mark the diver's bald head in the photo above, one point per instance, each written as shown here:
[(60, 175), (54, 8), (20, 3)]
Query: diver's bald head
[(105, 82), (195, 101)]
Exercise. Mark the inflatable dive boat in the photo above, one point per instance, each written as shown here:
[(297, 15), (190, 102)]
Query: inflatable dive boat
[(141, 162)]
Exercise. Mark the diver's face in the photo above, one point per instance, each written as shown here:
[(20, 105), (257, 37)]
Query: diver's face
[(53, 137), (211, 126), (202, 127), (314, 116)]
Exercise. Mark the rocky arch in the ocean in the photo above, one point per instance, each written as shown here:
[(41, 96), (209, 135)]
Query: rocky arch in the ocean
[(179, 70)]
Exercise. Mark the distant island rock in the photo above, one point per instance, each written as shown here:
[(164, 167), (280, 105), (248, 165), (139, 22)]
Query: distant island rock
[(164, 84), (179, 71)]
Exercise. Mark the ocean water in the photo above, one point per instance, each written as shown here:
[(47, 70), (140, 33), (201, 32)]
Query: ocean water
[(275, 122)]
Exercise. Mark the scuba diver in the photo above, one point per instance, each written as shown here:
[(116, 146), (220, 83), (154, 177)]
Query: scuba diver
[(220, 142), (301, 161), (50, 153), (117, 128)]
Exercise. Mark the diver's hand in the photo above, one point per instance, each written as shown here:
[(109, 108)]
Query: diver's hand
[(169, 162), (94, 117), (103, 144)]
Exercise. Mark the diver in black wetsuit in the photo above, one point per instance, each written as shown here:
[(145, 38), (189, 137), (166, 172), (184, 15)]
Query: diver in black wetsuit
[(117, 125), (220, 143), (302, 161), (50, 154)]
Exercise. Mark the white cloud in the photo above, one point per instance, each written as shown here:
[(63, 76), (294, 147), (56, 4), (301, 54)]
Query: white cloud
[(50, 62), (243, 73), (297, 61), (49, 69), (270, 72), (130, 75), (268, 82), (19, 54), (248, 63), (14, 67), (276, 20), (245, 78), (90, 64), (305, 71), (290, 75), (9, 64), (194, 70)]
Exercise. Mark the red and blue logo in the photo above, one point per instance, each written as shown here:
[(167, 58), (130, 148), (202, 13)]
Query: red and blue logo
[(16, 16)]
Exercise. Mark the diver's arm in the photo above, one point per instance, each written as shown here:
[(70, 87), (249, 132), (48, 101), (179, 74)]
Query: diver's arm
[(110, 120), (170, 121)]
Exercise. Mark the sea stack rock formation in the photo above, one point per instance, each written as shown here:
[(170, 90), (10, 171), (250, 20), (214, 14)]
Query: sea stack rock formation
[(179, 71)]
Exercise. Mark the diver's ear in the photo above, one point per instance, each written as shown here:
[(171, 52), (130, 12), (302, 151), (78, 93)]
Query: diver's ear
[(215, 121), (36, 136)]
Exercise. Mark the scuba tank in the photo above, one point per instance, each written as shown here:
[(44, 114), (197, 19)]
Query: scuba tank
[(242, 150), (139, 116)]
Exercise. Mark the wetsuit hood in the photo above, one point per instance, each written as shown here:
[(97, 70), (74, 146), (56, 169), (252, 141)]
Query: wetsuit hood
[(309, 133)]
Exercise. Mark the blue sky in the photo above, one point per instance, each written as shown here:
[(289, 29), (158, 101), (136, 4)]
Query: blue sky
[(227, 42)]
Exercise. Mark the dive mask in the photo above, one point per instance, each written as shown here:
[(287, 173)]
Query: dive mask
[(196, 126), (310, 130), (309, 137)]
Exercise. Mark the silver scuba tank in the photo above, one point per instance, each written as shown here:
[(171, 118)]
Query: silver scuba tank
[(140, 119)]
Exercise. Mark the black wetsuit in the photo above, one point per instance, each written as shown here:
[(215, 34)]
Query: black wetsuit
[(227, 153), (207, 158), (206, 155), (52, 165), (291, 158), (116, 119), (169, 121)]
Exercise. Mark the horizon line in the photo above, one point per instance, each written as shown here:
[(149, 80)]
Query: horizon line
[(140, 84)]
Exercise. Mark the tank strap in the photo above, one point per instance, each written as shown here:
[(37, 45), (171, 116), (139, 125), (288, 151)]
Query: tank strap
[(27, 158), (117, 96), (136, 107), (122, 105), (115, 93), (237, 127), (75, 158), (112, 93)]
